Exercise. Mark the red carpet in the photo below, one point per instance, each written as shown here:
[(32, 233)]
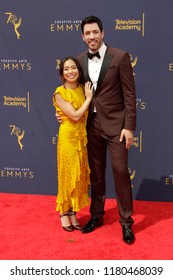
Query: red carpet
[(30, 230)]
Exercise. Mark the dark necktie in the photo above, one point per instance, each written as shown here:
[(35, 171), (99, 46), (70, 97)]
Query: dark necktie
[(91, 55)]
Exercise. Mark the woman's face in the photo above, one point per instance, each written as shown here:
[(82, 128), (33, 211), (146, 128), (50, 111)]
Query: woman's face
[(70, 71)]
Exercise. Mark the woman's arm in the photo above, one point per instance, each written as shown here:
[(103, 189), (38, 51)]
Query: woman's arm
[(69, 110)]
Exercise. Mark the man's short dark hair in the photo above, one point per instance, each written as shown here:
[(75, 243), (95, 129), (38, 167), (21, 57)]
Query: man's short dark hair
[(91, 19)]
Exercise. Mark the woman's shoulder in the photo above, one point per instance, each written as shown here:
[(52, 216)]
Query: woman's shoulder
[(62, 91), (59, 89), (65, 93)]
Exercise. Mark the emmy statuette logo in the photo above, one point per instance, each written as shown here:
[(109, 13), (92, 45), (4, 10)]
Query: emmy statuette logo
[(133, 62), (19, 134), (132, 175), (16, 23)]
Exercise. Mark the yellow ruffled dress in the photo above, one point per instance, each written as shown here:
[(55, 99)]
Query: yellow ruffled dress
[(72, 158)]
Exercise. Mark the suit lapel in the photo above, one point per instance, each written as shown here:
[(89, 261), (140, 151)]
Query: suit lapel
[(106, 61), (85, 68)]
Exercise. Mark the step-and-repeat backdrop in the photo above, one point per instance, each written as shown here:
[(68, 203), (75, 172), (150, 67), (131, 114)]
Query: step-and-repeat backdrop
[(34, 36)]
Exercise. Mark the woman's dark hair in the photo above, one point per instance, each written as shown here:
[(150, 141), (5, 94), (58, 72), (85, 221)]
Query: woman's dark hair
[(61, 68), (91, 19)]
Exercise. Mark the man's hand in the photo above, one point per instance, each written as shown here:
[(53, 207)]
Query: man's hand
[(128, 135)]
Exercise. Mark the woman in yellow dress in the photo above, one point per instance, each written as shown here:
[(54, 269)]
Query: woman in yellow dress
[(71, 101)]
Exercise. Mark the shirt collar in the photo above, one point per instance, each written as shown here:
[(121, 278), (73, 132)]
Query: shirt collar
[(102, 49)]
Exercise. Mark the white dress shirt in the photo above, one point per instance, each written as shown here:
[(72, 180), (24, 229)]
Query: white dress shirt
[(94, 66)]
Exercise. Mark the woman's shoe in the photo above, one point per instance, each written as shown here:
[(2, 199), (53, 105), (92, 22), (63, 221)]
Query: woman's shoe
[(78, 227), (75, 223), (68, 228)]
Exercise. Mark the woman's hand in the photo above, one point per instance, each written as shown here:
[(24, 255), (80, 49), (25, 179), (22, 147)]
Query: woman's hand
[(59, 117), (88, 90)]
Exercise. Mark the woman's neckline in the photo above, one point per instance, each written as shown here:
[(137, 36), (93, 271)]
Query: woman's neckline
[(67, 87)]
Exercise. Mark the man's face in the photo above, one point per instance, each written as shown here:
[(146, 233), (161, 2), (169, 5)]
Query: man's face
[(92, 36)]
